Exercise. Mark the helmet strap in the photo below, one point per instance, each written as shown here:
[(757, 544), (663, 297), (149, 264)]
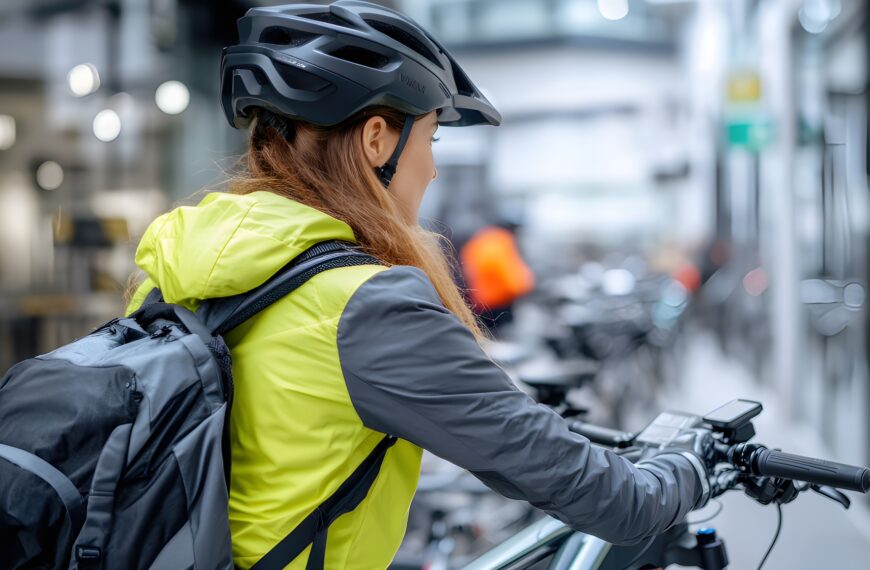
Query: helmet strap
[(278, 124), (388, 170)]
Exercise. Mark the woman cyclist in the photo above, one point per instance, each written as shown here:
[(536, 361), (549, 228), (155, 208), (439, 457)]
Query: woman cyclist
[(342, 102)]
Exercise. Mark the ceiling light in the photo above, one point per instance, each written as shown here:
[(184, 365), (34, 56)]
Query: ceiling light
[(83, 79), (172, 97), (107, 125), (49, 175), (613, 9), (7, 131)]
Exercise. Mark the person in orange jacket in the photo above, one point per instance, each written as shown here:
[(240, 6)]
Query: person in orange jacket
[(495, 274)]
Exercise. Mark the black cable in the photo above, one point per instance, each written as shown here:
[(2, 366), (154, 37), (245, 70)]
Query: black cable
[(775, 536)]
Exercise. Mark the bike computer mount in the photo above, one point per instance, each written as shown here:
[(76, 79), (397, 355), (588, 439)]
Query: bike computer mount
[(732, 421)]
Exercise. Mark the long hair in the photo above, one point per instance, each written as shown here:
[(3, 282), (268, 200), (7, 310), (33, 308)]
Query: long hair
[(325, 168)]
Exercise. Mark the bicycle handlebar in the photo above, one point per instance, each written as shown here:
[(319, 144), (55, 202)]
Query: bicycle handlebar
[(764, 475), (759, 460), (754, 459)]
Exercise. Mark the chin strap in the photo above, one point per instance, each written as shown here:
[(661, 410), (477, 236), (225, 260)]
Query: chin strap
[(387, 171)]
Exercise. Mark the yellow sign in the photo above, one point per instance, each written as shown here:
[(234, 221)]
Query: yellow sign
[(744, 87)]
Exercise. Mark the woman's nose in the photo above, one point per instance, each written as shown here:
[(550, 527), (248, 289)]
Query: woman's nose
[(434, 173)]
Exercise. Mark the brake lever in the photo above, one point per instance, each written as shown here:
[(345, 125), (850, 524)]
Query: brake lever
[(833, 494)]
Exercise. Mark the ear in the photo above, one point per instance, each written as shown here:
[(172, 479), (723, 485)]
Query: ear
[(378, 141)]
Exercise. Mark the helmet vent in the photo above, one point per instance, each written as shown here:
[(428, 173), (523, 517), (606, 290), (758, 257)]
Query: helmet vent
[(328, 18), (259, 76), (361, 56), (299, 79), (405, 39), (463, 84), (277, 35)]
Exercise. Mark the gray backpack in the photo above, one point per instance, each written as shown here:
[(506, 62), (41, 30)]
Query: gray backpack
[(114, 448)]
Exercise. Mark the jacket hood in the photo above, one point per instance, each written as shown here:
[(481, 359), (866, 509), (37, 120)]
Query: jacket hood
[(229, 244)]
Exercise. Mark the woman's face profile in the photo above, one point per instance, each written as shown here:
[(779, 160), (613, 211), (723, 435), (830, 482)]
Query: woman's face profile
[(416, 168)]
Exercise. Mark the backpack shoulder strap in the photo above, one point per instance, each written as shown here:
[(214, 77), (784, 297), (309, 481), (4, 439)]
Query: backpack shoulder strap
[(154, 296), (313, 529), (224, 314)]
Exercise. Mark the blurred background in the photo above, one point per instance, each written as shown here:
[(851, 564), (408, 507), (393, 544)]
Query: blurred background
[(684, 184)]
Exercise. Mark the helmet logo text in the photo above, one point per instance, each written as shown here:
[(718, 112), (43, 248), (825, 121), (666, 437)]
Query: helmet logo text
[(294, 62), (412, 83)]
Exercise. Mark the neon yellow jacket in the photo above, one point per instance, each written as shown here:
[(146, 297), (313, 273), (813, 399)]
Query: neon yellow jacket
[(358, 352), (295, 436)]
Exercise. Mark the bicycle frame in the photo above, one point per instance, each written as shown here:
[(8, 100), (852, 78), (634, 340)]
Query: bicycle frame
[(572, 550), (528, 546)]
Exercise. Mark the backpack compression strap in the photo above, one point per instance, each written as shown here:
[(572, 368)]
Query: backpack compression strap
[(313, 529), (74, 507)]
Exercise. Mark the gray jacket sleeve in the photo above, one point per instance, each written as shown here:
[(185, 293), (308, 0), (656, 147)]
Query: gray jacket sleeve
[(414, 371)]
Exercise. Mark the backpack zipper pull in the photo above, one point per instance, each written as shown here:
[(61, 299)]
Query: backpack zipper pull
[(161, 332)]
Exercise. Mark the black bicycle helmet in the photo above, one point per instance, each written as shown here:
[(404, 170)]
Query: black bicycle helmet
[(322, 64)]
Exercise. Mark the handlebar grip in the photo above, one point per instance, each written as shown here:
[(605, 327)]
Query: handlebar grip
[(601, 435), (773, 463)]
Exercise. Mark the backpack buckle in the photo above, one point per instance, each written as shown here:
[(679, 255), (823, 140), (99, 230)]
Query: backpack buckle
[(88, 553)]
